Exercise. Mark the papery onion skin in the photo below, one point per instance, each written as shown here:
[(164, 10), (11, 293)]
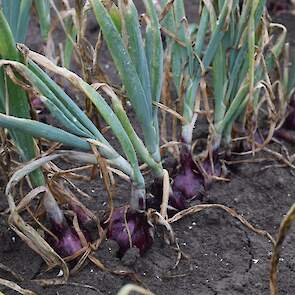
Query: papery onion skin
[(141, 232), (68, 241), (189, 182), (69, 244), (177, 200), (37, 104)]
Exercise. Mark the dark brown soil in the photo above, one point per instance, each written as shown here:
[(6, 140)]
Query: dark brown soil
[(223, 257)]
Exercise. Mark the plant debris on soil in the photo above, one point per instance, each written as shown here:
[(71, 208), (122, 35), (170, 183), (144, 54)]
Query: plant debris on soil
[(219, 255)]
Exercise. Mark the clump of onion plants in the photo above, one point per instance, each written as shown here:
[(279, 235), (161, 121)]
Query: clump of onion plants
[(230, 44), (141, 72), (217, 47), (225, 60), (81, 134), (139, 60)]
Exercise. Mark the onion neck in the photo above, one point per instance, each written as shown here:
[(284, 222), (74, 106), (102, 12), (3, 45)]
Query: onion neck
[(138, 198), (52, 209)]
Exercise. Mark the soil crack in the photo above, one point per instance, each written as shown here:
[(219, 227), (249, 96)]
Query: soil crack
[(249, 246)]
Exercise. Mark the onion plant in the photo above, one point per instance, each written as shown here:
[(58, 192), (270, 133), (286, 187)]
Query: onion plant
[(17, 13), (13, 100), (229, 44), (191, 56), (15, 16)]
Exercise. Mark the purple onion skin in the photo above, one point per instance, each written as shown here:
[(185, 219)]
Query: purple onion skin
[(276, 7), (244, 145), (189, 182), (177, 200), (290, 120), (68, 241), (287, 132), (83, 218), (216, 166), (288, 135), (139, 228), (69, 244), (37, 104), (258, 138)]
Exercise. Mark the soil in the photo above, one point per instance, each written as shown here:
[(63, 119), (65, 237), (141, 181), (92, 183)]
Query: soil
[(224, 257), (221, 255)]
